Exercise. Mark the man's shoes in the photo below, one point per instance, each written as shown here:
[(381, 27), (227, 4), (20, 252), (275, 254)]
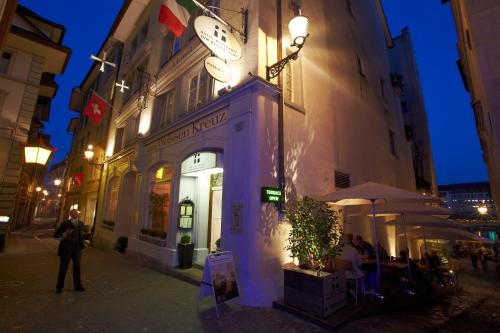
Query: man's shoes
[(80, 289), (58, 291)]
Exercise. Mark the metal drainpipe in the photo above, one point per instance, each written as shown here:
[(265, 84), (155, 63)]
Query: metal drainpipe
[(281, 130)]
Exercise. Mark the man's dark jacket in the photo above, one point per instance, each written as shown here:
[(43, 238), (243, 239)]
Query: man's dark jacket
[(74, 241)]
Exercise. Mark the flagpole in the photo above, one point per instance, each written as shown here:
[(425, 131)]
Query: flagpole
[(217, 17), (104, 99)]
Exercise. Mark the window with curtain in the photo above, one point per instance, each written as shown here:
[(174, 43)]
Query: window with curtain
[(159, 198)]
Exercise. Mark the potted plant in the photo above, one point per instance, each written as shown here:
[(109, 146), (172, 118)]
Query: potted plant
[(186, 251), (121, 244), (315, 239)]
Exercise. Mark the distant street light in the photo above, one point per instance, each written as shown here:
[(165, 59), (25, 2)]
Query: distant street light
[(38, 189), (57, 182), (89, 153), (45, 192), (483, 210)]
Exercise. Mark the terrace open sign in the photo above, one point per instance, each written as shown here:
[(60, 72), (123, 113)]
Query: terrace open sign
[(272, 195)]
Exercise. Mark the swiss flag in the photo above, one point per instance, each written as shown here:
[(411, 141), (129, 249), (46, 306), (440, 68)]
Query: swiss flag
[(95, 109), (78, 179)]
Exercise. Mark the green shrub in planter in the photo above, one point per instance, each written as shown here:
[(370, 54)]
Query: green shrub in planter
[(186, 251), (185, 239), (316, 233)]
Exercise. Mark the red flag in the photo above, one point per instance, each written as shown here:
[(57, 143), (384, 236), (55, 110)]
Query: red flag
[(95, 109), (78, 179)]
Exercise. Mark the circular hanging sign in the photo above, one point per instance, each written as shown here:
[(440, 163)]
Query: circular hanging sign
[(218, 38), (218, 69)]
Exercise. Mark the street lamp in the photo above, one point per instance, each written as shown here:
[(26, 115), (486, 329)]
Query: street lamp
[(298, 32), (89, 156), (38, 189), (45, 192), (57, 182), (38, 155), (482, 210)]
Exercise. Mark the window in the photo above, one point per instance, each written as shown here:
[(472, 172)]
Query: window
[(165, 108), (167, 50), (392, 143), (119, 139), (159, 198), (293, 81), (199, 89), (4, 62)]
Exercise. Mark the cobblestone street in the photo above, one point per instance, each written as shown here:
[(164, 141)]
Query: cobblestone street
[(122, 296)]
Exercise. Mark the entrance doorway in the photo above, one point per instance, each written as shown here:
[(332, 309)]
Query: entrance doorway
[(201, 183), (125, 214)]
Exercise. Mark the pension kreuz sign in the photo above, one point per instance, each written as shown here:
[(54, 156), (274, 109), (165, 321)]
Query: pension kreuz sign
[(193, 128)]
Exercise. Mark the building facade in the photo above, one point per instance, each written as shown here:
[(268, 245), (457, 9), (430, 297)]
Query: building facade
[(463, 200), (479, 50), (187, 155), (83, 177), (33, 55), (406, 79)]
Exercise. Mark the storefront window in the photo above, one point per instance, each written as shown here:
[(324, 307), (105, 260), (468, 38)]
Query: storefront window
[(159, 198)]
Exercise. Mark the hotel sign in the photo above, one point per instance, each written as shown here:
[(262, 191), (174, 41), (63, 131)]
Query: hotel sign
[(218, 69), (194, 128), (271, 195), (218, 38)]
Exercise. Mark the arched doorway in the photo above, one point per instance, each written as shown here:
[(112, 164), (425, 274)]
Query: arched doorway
[(201, 185), (125, 213)]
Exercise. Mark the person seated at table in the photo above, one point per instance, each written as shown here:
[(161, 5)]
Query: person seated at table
[(364, 248), (416, 273), (350, 259), (382, 253), (433, 263)]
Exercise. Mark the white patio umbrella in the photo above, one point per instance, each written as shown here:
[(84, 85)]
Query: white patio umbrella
[(409, 214), (373, 193)]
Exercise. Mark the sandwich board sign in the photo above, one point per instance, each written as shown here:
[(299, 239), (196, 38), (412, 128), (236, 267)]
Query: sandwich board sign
[(219, 278)]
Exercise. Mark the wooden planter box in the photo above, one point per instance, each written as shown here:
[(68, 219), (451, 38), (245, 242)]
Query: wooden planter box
[(154, 240), (320, 296)]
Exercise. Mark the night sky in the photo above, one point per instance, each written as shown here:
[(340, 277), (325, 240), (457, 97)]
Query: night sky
[(456, 150)]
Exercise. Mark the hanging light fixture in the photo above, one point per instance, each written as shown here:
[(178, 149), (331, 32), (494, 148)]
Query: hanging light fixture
[(89, 153), (35, 154), (298, 31)]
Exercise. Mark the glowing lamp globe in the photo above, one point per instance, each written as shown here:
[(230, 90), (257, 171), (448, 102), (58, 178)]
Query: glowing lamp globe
[(482, 210), (89, 153), (57, 182), (38, 155), (298, 30), (38, 189), (45, 192)]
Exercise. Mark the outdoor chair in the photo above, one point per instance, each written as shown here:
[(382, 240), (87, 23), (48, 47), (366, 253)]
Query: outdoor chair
[(359, 286)]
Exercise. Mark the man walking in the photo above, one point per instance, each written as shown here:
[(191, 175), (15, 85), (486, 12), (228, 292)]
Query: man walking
[(70, 248)]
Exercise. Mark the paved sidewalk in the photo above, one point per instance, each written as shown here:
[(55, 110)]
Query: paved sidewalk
[(121, 297)]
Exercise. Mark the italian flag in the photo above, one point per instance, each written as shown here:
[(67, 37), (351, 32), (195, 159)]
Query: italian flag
[(174, 14)]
